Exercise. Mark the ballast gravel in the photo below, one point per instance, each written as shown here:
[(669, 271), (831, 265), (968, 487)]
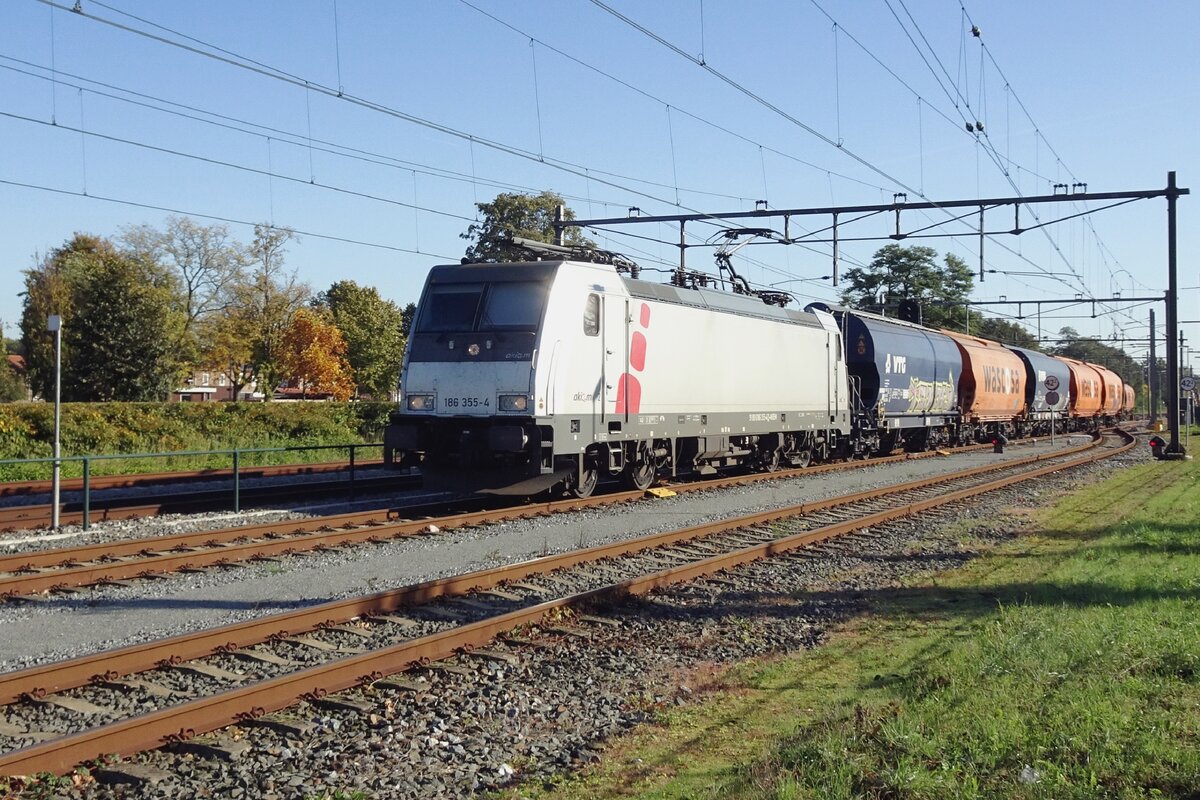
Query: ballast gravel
[(478, 725), (65, 626)]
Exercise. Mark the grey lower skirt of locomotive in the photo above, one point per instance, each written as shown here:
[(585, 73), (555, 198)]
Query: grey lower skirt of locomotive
[(517, 456), (471, 454)]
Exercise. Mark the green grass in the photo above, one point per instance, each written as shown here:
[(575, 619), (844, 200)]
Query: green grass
[(1063, 665)]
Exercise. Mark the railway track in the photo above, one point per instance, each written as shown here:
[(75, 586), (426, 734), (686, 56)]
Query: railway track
[(20, 517), (138, 481), (167, 692), (24, 575)]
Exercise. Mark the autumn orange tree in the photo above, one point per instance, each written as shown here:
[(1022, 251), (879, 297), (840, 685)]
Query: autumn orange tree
[(314, 355)]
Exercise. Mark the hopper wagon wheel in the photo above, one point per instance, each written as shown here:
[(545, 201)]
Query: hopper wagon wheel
[(641, 470)]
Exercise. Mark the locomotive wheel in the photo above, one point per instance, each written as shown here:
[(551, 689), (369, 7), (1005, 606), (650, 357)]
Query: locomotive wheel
[(587, 484), (770, 462), (803, 458), (640, 472)]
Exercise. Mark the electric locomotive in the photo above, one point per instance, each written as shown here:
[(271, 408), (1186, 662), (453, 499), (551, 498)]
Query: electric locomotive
[(523, 377)]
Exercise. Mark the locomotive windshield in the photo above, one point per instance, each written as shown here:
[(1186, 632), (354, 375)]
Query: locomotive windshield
[(501, 306)]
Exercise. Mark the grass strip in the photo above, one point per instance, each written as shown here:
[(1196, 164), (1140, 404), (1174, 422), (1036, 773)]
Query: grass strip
[(1061, 665)]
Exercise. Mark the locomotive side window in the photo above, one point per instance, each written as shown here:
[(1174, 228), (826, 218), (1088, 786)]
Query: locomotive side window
[(450, 307), (591, 315)]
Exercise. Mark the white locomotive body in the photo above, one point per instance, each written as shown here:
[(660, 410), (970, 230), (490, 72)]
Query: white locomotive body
[(522, 376)]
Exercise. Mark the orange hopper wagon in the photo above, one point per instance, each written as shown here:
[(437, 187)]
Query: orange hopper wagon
[(992, 385)]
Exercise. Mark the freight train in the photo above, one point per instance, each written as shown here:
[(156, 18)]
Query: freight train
[(555, 375)]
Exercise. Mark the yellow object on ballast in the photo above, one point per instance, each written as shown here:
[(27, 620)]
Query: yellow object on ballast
[(660, 492), (942, 452)]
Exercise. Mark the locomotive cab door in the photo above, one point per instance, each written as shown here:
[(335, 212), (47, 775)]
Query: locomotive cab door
[(614, 335)]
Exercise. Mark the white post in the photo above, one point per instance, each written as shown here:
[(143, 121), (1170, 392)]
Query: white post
[(54, 325)]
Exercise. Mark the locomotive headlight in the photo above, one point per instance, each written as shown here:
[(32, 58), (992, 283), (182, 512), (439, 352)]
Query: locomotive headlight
[(420, 402), (513, 402)]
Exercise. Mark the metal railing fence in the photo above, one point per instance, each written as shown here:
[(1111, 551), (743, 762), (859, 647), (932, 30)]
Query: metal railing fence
[(235, 459)]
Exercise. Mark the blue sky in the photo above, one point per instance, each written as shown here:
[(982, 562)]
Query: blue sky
[(599, 111)]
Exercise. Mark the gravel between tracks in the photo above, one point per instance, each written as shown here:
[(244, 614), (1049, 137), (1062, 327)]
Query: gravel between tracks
[(65, 626), (551, 709)]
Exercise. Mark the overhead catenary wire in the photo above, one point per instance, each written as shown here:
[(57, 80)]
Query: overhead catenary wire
[(258, 67), (754, 96), (661, 101), (267, 173), (236, 60), (984, 138), (955, 97), (759, 99), (289, 137), (220, 218), (1035, 172), (985, 50), (251, 65), (588, 173)]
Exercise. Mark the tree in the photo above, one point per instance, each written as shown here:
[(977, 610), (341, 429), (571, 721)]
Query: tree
[(11, 346), (911, 273), (1003, 331), (514, 214), (123, 335), (268, 298), (119, 323), (373, 330), (313, 354), (406, 320), (226, 342), (206, 261), (12, 388), (12, 384), (48, 290)]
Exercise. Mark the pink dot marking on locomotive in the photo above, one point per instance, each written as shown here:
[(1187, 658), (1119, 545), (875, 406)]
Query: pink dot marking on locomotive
[(637, 351), (629, 394), (645, 315)]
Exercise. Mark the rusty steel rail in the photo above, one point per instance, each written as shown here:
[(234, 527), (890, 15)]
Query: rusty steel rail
[(40, 515), (181, 722), (69, 674), (53, 557), (136, 480), (50, 570), (101, 510)]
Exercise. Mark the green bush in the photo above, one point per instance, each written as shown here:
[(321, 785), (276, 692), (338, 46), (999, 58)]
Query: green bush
[(27, 431)]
